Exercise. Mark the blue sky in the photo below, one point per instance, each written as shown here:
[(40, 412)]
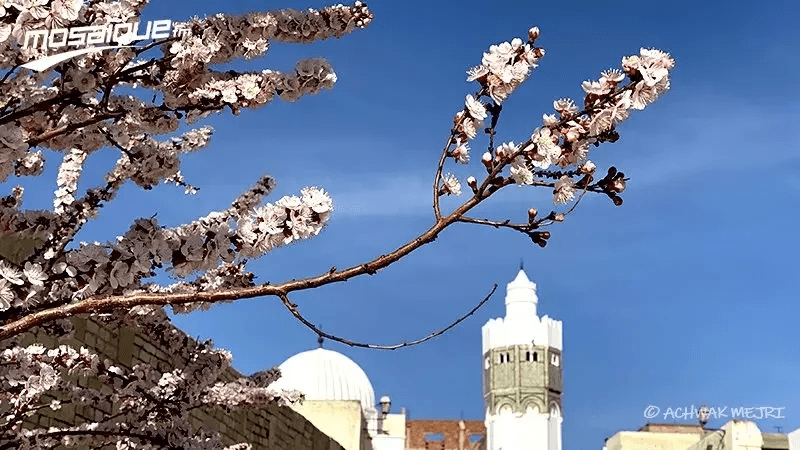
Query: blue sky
[(684, 295)]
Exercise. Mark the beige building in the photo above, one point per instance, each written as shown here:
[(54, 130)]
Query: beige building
[(734, 435), (340, 401)]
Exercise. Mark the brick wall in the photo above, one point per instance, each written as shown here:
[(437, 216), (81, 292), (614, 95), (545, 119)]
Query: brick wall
[(443, 434), (273, 427)]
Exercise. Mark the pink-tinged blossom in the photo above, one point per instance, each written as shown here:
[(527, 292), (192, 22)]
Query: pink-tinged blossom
[(565, 107), (506, 151), (564, 190), (475, 108), (461, 152), (520, 172), (547, 149)]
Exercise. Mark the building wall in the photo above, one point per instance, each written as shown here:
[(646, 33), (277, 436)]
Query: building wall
[(389, 432), (421, 434), (341, 420), (794, 440), (272, 427), (643, 440), (734, 435)]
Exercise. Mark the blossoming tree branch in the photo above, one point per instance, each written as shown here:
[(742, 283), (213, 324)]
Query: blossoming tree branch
[(81, 105)]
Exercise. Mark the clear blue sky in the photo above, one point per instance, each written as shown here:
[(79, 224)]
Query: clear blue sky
[(686, 294)]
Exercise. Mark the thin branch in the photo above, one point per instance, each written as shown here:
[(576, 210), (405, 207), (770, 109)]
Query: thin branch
[(497, 224), (293, 309), (111, 303), (72, 127), (437, 212)]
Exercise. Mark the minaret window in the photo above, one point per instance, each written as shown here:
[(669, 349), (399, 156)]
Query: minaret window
[(554, 360), (527, 356), (535, 357), (502, 357), (486, 363), (508, 357)]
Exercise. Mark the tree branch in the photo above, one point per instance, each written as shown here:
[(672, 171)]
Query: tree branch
[(107, 304), (293, 309)]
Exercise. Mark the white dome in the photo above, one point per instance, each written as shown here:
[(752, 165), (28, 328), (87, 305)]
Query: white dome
[(323, 374)]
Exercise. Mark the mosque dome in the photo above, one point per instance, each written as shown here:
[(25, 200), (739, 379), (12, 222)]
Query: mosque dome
[(323, 374)]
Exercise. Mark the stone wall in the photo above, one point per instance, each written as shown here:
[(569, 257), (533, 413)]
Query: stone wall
[(273, 427), (444, 434)]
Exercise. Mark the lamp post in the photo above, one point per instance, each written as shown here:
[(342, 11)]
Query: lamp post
[(386, 406)]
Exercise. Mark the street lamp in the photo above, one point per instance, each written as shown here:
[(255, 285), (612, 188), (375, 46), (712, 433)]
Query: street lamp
[(386, 405)]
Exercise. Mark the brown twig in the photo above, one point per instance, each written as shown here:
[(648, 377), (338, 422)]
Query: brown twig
[(293, 309)]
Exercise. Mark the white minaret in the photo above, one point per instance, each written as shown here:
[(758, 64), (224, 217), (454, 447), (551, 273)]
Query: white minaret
[(522, 374)]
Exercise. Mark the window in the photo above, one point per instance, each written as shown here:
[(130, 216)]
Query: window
[(527, 356), (502, 358), (475, 441), (434, 437), (508, 357), (486, 363), (535, 356), (554, 360)]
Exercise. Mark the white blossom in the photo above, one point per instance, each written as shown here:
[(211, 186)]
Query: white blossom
[(451, 185), (564, 190), (520, 172), (475, 108), (35, 274)]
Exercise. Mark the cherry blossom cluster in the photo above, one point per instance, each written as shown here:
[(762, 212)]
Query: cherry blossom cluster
[(76, 109), (565, 138), (503, 68), (152, 406), (77, 112), (506, 66)]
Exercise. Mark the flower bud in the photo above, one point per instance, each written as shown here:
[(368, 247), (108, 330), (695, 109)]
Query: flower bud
[(533, 34), (540, 238), (617, 200), (559, 218), (532, 215), (588, 168), (618, 184), (473, 184), (486, 159)]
